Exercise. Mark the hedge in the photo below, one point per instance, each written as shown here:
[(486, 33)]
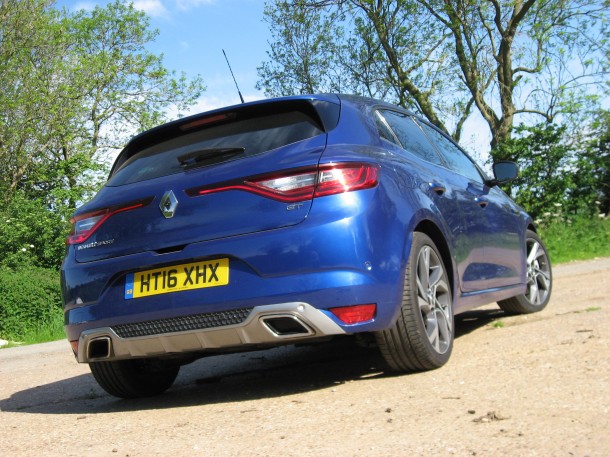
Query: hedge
[(29, 296)]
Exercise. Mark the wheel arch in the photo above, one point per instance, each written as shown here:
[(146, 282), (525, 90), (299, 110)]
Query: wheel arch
[(434, 232)]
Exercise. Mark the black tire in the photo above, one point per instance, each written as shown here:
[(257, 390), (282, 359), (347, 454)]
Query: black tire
[(135, 378), (422, 337), (539, 280)]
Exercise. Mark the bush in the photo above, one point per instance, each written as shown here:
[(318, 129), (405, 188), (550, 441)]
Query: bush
[(31, 234), (30, 299), (558, 168), (544, 159)]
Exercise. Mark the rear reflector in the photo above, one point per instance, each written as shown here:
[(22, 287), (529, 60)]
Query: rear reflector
[(303, 184), (355, 314), (74, 345)]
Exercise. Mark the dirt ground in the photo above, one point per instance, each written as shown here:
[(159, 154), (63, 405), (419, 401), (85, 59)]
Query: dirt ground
[(536, 385)]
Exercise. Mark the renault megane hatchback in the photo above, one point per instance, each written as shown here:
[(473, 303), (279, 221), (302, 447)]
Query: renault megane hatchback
[(288, 221)]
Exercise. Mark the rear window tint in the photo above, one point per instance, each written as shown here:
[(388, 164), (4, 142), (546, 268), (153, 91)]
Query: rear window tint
[(255, 135)]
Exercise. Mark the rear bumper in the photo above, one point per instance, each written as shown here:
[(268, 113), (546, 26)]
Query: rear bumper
[(262, 325)]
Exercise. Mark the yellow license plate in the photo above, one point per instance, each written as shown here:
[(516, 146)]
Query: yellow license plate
[(197, 275)]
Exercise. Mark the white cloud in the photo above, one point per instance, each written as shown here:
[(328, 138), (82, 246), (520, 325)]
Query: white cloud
[(208, 102), (157, 8), (87, 6), (185, 5), (151, 7)]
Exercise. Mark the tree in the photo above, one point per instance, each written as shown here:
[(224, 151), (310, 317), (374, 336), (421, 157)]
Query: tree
[(545, 161), (75, 87), (370, 52), (443, 57), (301, 61), (560, 170), (26, 41), (592, 175), (80, 85)]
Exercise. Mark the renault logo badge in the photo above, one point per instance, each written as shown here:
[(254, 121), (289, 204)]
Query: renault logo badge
[(168, 204)]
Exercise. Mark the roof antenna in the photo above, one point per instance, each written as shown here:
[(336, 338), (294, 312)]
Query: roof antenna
[(236, 86)]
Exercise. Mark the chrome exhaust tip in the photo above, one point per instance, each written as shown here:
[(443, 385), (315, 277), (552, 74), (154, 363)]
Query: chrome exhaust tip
[(99, 348), (286, 326)]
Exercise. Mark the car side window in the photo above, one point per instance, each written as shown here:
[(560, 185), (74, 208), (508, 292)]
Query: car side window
[(384, 130), (456, 159), (410, 136)]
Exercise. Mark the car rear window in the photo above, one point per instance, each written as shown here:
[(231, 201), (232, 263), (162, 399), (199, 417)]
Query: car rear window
[(255, 135)]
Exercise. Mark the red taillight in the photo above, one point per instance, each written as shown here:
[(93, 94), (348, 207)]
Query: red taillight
[(84, 225), (346, 178), (299, 185), (355, 314), (286, 188)]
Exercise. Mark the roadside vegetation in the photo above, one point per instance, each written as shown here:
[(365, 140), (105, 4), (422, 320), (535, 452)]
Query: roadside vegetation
[(77, 85), (577, 238)]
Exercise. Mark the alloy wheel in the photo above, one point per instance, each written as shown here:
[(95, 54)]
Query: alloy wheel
[(538, 273), (434, 299)]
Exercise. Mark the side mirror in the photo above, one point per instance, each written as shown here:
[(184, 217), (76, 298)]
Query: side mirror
[(504, 172)]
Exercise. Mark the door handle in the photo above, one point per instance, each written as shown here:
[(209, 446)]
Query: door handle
[(437, 188)]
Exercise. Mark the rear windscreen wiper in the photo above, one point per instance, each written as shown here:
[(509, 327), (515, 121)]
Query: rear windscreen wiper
[(208, 156)]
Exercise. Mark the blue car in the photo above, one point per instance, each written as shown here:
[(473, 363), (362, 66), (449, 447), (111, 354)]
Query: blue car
[(289, 221)]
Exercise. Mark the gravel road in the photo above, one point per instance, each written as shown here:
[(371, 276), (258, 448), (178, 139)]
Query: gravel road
[(536, 385)]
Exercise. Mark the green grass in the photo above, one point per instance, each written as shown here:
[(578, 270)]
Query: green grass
[(581, 239), (46, 331), (40, 332), (591, 309)]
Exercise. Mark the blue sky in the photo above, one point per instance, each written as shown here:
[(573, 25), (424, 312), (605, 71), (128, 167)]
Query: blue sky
[(192, 34)]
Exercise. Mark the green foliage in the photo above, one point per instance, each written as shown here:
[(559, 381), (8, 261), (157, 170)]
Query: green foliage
[(75, 88), (42, 332), (31, 234), (356, 47), (559, 173), (592, 181), (302, 59), (30, 300), (576, 238), (544, 160)]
